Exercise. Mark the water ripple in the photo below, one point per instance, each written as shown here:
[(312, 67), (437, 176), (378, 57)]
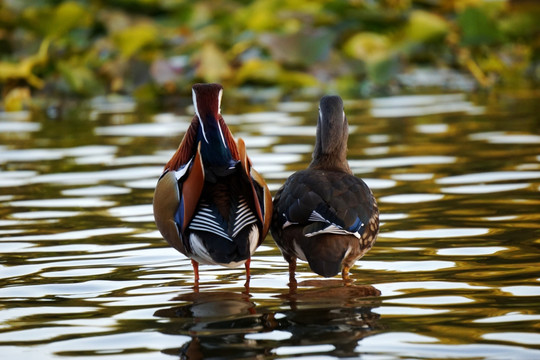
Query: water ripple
[(491, 176), (499, 137), (483, 188), (404, 161), (72, 235), (406, 266), (410, 198), (471, 251), (81, 178), (65, 202), (435, 233)]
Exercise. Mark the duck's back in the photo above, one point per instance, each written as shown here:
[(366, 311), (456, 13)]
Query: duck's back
[(338, 197), (323, 216)]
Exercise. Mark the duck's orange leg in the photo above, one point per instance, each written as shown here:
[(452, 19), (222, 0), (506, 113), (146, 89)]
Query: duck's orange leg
[(195, 270), (345, 275), (292, 278), (292, 271), (248, 274)]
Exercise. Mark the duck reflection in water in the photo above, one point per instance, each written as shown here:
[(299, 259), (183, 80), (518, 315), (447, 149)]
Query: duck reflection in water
[(229, 325), (324, 312), (217, 322)]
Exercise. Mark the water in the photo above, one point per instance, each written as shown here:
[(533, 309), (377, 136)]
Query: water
[(454, 274)]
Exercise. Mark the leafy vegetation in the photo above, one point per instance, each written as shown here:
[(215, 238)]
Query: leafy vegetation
[(157, 48)]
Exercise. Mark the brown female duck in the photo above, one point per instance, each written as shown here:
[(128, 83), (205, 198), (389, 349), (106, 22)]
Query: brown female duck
[(325, 215), (209, 203)]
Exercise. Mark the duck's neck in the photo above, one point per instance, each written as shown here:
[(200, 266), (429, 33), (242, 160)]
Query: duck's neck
[(330, 163), (332, 158), (214, 149)]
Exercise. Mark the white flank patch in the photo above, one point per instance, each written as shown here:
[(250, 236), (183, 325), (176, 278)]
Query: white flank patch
[(182, 171), (200, 254), (298, 251), (253, 238)]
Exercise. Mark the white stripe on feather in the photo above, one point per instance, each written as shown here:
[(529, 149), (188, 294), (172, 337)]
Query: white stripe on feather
[(244, 216), (205, 220), (315, 216), (197, 113), (212, 230), (333, 229), (287, 222), (240, 227)]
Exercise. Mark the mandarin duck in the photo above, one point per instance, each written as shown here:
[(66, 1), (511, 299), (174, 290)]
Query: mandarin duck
[(324, 214), (209, 203)]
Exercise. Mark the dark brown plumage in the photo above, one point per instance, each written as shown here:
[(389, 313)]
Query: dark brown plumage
[(325, 215)]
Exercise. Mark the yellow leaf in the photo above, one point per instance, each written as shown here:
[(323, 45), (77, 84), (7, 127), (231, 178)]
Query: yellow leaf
[(297, 79), (258, 70), (213, 67), (460, 5), (424, 26), (369, 47), (15, 99), (132, 39), (68, 15), (23, 69)]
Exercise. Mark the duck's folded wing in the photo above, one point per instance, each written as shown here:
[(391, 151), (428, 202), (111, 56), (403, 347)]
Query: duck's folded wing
[(175, 199), (191, 191), (261, 193), (166, 201)]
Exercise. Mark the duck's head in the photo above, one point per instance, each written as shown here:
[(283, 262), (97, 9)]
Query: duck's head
[(207, 103), (332, 134)]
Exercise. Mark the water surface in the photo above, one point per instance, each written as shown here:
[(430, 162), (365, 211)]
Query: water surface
[(454, 273)]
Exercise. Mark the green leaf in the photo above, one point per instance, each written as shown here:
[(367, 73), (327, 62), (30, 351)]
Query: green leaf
[(80, 78), (381, 72), (477, 28), (302, 48)]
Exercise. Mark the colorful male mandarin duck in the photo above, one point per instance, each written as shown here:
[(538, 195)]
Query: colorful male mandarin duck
[(325, 215), (209, 203)]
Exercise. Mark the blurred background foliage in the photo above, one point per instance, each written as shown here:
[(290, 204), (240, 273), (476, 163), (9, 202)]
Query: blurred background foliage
[(156, 49)]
